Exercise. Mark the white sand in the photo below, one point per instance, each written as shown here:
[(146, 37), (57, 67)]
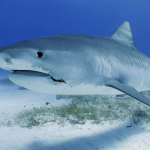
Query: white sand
[(52, 136)]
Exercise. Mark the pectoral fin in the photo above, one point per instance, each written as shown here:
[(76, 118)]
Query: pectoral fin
[(128, 90)]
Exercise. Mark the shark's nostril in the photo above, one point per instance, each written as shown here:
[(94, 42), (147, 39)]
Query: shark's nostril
[(8, 60), (5, 56)]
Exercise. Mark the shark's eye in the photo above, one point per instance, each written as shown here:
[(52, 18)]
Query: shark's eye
[(39, 54)]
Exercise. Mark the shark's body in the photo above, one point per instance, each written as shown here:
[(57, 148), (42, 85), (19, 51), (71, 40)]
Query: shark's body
[(79, 64)]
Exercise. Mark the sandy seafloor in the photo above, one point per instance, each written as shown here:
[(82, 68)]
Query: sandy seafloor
[(51, 136)]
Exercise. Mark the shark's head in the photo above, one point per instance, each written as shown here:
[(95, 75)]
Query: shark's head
[(48, 65)]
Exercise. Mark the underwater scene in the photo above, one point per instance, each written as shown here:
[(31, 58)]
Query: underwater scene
[(74, 75)]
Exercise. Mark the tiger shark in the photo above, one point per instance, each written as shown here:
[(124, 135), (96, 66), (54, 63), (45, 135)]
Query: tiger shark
[(73, 64)]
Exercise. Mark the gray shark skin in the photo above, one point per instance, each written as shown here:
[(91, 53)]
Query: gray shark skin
[(79, 64)]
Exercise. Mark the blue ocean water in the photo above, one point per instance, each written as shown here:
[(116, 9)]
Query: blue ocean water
[(26, 19)]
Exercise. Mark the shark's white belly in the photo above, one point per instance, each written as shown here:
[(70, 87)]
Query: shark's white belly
[(92, 89), (46, 85)]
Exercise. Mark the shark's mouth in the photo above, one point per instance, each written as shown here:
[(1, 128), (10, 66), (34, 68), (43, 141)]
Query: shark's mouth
[(36, 73)]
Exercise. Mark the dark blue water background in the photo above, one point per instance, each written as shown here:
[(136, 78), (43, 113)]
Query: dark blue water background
[(26, 19)]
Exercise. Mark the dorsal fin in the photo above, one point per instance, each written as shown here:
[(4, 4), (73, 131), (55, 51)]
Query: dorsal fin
[(124, 35)]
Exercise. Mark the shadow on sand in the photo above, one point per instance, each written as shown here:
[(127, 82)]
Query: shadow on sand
[(106, 140)]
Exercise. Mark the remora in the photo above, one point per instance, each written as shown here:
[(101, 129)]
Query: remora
[(79, 64)]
